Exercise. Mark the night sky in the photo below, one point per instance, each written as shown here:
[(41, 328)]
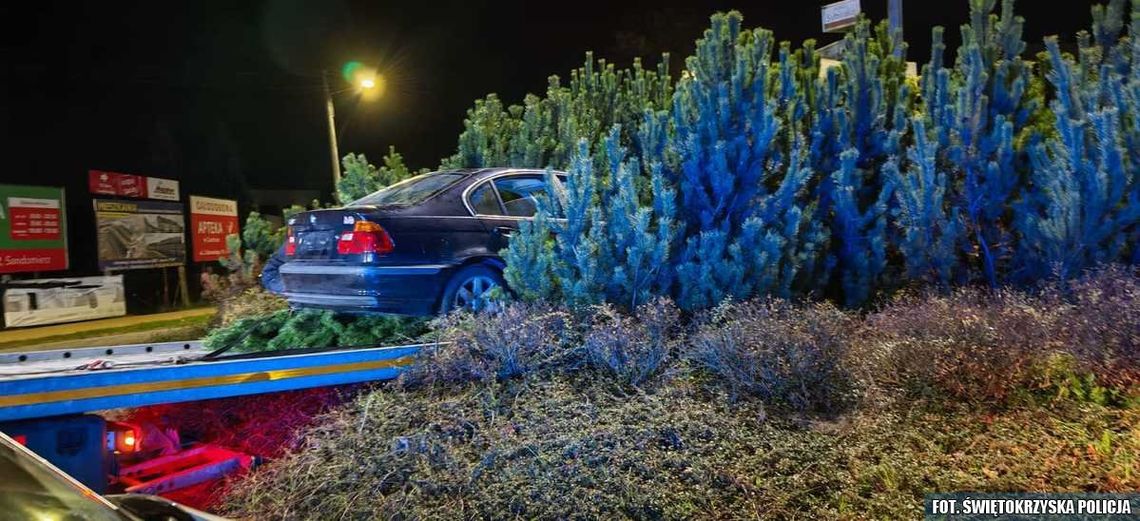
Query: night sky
[(225, 96), (213, 92)]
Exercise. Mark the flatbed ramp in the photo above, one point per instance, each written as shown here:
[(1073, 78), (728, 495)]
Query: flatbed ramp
[(71, 381)]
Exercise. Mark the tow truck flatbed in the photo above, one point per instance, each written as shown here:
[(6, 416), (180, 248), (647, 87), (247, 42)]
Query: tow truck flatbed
[(71, 381)]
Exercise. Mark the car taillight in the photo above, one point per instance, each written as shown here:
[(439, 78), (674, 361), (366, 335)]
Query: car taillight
[(291, 243), (365, 237)]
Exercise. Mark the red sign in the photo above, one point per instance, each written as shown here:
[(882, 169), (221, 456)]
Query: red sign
[(114, 183), (47, 259), (32, 219), (211, 220), (129, 185)]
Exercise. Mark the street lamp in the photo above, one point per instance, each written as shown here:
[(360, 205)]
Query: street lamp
[(364, 83)]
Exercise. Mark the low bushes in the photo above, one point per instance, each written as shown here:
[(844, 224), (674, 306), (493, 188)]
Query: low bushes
[(521, 339), (633, 349), (1077, 339), (971, 344), (989, 347), (777, 352), (1101, 326)]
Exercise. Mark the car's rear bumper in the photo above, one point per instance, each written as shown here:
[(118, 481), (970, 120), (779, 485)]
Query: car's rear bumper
[(404, 289)]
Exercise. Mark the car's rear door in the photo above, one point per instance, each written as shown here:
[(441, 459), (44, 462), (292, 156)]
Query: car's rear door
[(502, 202)]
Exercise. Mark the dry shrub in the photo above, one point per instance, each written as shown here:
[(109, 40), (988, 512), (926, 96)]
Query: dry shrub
[(249, 303), (524, 338), (632, 349), (517, 340), (972, 344), (997, 347), (1100, 327), (778, 352)]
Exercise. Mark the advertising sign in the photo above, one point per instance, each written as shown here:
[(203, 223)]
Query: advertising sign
[(840, 15), (53, 301), (129, 185), (140, 234), (165, 189), (33, 229), (211, 220)]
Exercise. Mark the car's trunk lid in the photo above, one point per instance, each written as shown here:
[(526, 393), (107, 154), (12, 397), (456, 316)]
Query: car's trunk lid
[(316, 233)]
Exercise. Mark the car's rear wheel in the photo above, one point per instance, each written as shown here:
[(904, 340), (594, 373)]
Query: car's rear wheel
[(470, 289)]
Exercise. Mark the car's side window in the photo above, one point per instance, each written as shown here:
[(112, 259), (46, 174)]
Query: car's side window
[(520, 194), (484, 202)]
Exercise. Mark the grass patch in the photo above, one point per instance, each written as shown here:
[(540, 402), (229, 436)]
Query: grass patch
[(569, 447), (198, 325)]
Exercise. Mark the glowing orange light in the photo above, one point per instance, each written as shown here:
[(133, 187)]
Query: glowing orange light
[(129, 440)]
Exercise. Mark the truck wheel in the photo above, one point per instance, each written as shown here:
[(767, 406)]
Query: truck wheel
[(469, 287)]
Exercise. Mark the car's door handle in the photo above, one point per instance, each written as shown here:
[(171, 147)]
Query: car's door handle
[(505, 231)]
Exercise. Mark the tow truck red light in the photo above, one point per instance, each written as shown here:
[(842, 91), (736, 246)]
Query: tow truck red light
[(21, 439), (122, 437)]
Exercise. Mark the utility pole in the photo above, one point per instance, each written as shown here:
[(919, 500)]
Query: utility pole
[(895, 19), (332, 130)]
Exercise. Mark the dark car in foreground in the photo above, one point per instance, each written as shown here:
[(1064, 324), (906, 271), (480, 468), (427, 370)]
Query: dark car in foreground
[(32, 488), (419, 247)]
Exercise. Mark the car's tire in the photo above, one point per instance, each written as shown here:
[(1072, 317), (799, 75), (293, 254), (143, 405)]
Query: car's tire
[(468, 288)]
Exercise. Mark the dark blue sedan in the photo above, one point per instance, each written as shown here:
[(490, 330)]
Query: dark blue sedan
[(426, 245)]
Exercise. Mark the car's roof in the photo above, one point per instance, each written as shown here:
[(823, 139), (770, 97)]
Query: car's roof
[(486, 172)]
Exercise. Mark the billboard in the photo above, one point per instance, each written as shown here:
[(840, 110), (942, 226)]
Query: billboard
[(211, 220), (52, 301), (840, 15), (101, 182), (140, 234), (33, 229)]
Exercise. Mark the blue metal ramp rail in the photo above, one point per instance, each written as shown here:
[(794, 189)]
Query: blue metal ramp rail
[(52, 383)]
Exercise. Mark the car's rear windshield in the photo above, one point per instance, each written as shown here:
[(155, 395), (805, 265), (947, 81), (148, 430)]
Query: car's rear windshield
[(412, 191)]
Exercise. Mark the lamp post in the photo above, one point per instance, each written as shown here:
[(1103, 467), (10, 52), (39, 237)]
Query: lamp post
[(363, 83), (895, 20), (335, 155)]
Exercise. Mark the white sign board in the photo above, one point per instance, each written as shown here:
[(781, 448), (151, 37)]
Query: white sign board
[(840, 15), (164, 189), (53, 301)]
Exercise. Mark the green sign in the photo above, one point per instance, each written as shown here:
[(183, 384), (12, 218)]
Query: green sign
[(33, 229)]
